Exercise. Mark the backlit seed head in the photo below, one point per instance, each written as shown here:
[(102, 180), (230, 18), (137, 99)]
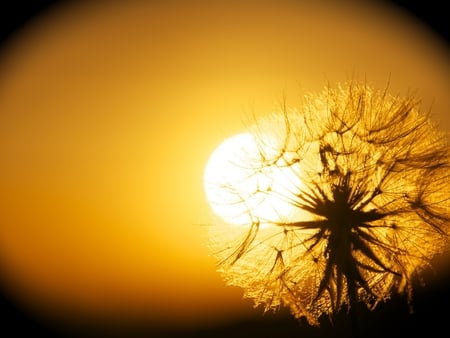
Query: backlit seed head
[(368, 179)]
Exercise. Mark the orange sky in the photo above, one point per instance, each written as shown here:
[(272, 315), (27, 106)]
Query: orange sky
[(109, 113)]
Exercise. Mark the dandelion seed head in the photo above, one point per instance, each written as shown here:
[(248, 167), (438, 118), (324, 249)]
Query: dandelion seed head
[(369, 185)]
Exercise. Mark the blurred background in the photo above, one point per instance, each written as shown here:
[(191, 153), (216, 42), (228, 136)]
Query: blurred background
[(109, 111)]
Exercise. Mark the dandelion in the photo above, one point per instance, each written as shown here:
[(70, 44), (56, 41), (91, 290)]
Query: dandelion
[(358, 181)]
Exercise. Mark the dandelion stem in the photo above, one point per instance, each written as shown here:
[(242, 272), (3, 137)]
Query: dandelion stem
[(353, 311)]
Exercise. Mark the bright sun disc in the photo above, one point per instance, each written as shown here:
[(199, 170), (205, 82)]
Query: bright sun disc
[(242, 190)]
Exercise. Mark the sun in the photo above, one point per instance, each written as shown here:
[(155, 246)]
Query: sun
[(242, 189)]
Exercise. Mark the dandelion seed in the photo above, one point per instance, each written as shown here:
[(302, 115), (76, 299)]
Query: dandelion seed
[(367, 185)]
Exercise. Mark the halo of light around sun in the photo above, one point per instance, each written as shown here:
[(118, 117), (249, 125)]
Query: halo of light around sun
[(239, 191)]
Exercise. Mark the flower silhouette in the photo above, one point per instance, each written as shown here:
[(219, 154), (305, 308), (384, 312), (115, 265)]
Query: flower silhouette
[(367, 179)]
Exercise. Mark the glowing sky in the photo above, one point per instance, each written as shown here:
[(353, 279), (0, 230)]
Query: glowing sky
[(110, 111)]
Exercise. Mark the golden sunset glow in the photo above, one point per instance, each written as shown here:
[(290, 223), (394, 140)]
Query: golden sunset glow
[(111, 113)]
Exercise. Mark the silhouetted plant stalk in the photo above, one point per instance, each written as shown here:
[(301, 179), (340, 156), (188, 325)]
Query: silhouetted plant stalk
[(367, 178)]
